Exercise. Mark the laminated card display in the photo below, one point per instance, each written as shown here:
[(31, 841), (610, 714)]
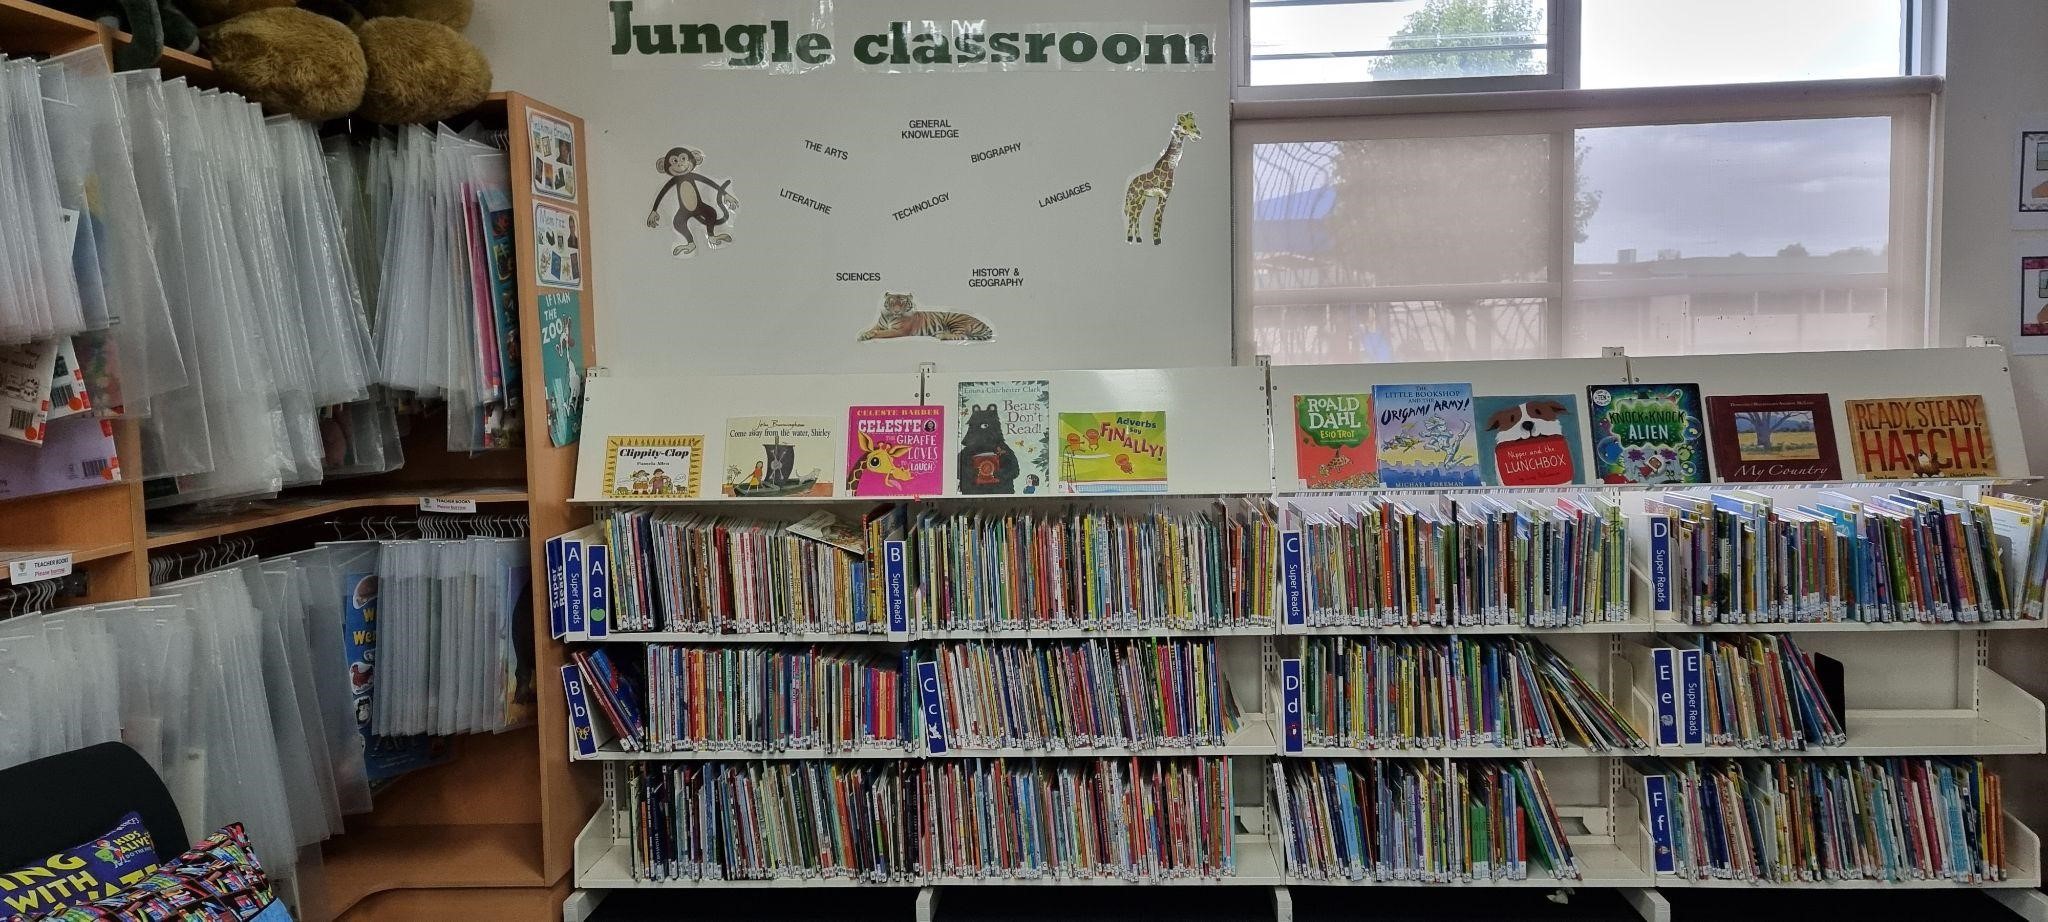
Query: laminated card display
[(1902, 438), (1005, 438), (1648, 433), (1333, 445), (1530, 440), (1774, 438), (767, 457), (1425, 435), (1122, 451), (894, 451)]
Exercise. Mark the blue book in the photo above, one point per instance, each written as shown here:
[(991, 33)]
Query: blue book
[(1691, 707), (1657, 797), (558, 590), (572, 564), (1664, 662), (597, 589)]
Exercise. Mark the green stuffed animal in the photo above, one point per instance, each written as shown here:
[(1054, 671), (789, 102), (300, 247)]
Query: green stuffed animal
[(396, 62), (155, 24)]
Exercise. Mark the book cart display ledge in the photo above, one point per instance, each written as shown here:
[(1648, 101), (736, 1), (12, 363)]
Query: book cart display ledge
[(1911, 689)]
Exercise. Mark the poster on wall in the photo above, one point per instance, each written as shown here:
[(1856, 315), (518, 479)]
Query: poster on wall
[(552, 142), (1906, 438), (2030, 270), (1005, 438), (2030, 171), (1122, 451), (558, 247), (856, 186)]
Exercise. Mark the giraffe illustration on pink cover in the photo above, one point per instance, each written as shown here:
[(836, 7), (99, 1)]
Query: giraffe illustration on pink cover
[(1157, 182)]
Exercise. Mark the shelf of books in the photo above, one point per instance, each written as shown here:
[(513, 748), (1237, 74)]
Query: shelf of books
[(1434, 636)]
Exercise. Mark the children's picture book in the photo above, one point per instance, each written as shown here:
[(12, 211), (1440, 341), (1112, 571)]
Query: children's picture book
[(1005, 438), (1425, 435), (770, 457), (561, 363), (384, 757), (68, 395), (1774, 438), (25, 374), (553, 144), (558, 247), (653, 466), (1333, 445), (1904, 438), (1120, 451), (895, 450), (1531, 440), (1648, 433)]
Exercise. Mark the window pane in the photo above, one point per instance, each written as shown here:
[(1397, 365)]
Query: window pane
[(1734, 237), (1401, 331), (1423, 211), (1687, 42), (1318, 41)]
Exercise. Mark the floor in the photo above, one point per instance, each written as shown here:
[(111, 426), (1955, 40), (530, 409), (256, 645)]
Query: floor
[(1311, 904)]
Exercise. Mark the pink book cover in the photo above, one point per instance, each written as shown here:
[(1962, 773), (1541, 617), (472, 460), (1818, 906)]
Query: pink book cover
[(78, 452), (895, 451)]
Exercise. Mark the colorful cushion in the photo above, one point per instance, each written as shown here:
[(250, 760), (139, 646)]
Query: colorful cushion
[(79, 874), (219, 880)]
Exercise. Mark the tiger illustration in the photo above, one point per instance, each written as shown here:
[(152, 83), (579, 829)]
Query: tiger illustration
[(900, 318)]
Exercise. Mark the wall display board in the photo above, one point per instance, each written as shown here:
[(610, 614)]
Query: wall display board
[(861, 187)]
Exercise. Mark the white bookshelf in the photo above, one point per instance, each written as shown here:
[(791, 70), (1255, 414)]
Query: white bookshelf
[(1931, 695)]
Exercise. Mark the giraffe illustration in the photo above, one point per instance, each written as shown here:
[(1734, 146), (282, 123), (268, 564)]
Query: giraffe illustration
[(1157, 183)]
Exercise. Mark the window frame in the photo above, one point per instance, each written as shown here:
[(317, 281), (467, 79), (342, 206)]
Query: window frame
[(1910, 102)]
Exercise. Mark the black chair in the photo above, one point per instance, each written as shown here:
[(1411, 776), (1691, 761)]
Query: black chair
[(52, 804)]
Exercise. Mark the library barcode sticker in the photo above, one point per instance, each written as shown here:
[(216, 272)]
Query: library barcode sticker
[(447, 506), (41, 567)]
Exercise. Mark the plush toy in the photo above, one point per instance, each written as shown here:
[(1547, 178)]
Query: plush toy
[(392, 61), (155, 24)]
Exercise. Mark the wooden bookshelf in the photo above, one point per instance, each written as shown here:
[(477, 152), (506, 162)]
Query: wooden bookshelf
[(490, 832)]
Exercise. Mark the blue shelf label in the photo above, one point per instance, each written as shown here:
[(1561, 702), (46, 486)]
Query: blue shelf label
[(895, 591), (1290, 572), (1290, 703), (934, 716)]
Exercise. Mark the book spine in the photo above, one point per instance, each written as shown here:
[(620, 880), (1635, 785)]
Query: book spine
[(558, 589)]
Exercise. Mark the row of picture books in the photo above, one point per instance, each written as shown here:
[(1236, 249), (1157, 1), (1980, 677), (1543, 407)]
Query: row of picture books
[(1406, 436), (644, 569), (1061, 696), (1462, 560), (898, 822), (1418, 821), (1441, 435), (1755, 692), (1824, 820), (1748, 557), (1441, 694)]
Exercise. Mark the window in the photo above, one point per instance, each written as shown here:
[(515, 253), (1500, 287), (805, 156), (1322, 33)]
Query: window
[(1320, 41), (1681, 220)]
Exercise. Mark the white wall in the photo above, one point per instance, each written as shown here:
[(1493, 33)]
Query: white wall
[(1996, 72), (794, 288)]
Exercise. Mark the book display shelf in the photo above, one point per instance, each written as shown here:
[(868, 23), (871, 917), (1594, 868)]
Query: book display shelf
[(490, 831), (1909, 689)]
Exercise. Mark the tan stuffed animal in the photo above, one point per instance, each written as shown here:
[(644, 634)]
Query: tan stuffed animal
[(396, 62)]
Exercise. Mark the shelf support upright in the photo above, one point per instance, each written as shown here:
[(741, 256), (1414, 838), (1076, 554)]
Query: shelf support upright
[(1283, 905), (1648, 903), (927, 903), (2031, 905)]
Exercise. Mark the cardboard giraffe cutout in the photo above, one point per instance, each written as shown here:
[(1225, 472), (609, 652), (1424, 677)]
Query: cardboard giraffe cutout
[(1157, 183)]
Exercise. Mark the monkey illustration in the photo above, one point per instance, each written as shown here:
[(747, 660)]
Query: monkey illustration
[(680, 166)]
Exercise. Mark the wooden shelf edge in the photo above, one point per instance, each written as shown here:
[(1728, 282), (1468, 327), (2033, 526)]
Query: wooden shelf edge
[(288, 510), (363, 863)]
